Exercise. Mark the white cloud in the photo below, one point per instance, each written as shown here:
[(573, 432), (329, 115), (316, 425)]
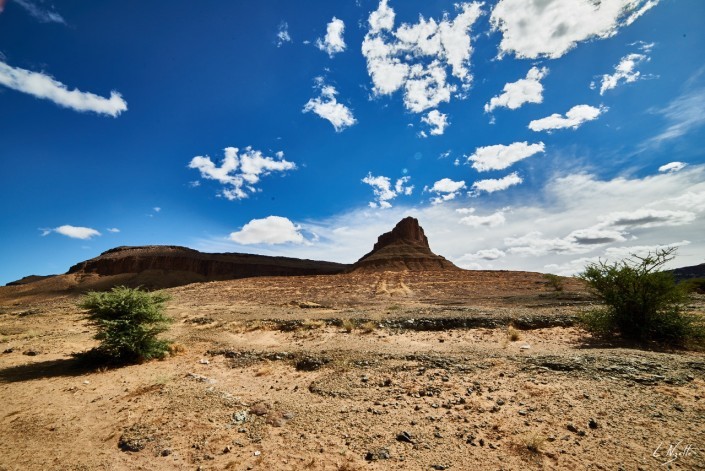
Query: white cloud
[(75, 232), (566, 210), (384, 192), (625, 71), (44, 86), (646, 218), (487, 254), (516, 94), (283, 34), (545, 28), (437, 120), (473, 220), (333, 42), (240, 172), (495, 184), (446, 189), (499, 157), (157, 209), (575, 117), (39, 13), (683, 114), (416, 57), (270, 230), (114, 230), (327, 107), (672, 167)]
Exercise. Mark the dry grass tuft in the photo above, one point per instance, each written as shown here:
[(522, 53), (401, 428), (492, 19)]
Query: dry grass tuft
[(176, 349), (513, 334), (347, 325), (369, 327), (266, 370), (533, 442)]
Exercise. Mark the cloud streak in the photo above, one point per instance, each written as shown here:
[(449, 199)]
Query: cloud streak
[(45, 87)]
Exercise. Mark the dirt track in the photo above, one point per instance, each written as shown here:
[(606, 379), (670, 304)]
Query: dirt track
[(363, 371)]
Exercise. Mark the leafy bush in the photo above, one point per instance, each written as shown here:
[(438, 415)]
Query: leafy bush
[(128, 322), (694, 285), (555, 281), (641, 301)]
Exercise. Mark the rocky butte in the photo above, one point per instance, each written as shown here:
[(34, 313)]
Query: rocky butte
[(403, 248)]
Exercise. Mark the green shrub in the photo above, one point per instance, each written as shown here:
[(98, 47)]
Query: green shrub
[(128, 322), (555, 281), (694, 285), (641, 302)]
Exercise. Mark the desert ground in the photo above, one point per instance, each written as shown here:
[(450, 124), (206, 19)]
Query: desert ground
[(457, 370)]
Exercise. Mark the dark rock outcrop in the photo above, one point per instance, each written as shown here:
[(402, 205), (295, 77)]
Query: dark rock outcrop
[(687, 273), (403, 248), (191, 265)]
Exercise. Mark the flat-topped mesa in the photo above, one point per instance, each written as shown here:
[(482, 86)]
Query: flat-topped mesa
[(403, 248), (159, 266)]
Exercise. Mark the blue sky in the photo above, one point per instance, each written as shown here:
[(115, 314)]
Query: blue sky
[(534, 135)]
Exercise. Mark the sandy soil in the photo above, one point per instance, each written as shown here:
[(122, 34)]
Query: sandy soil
[(407, 371)]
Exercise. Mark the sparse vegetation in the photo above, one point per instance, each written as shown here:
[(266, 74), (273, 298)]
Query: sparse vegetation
[(554, 281), (128, 321), (513, 334), (369, 327), (642, 302), (533, 442), (347, 325), (694, 285)]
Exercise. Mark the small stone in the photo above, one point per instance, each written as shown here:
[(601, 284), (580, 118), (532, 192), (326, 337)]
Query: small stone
[(405, 437), (227, 449), (365, 379), (592, 424), (522, 412), (8, 350), (203, 361), (257, 453), (166, 452), (572, 428), (500, 402), (439, 467)]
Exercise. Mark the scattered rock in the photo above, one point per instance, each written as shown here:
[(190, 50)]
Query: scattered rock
[(8, 350), (200, 378), (30, 353), (135, 438), (240, 417), (166, 452), (311, 363), (377, 454), (592, 424), (405, 437)]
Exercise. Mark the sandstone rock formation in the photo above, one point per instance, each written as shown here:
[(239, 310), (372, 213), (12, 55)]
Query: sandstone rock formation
[(162, 265), (403, 248)]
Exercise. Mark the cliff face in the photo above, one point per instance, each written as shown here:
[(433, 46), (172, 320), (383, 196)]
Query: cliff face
[(403, 248), (123, 260)]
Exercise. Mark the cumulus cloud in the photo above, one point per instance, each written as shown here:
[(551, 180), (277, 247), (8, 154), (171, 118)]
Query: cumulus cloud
[(487, 254), (672, 167), (516, 94), (446, 189), (495, 184), (473, 220), (437, 120), (44, 86), (384, 191), (270, 230), (552, 28), (114, 230), (239, 173), (625, 71), (39, 13), (499, 157), (575, 117), (333, 42), (417, 58), (283, 34), (75, 232), (327, 107)]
